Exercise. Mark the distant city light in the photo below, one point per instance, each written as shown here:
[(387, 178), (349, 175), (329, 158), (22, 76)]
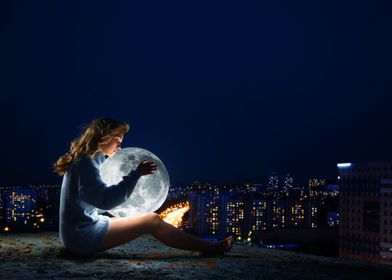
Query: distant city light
[(173, 215), (344, 165)]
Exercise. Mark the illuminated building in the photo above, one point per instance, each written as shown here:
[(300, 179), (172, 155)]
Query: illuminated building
[(234, 216), (366, 211), (278, 213), (30, 208), (273, 182), (258, 218), (21, 208), (241, 213), (211, 215), (313, 214), (295, 214), (287, 184), (316, 186), (179, 191), (204, 216)]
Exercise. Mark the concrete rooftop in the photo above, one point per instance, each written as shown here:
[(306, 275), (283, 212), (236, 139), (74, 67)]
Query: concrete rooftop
[(39, 256)]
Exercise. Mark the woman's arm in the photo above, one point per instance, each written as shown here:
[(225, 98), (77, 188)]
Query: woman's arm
[(94, 191)]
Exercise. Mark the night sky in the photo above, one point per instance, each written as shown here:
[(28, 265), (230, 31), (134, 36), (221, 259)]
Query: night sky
[(220, 92)]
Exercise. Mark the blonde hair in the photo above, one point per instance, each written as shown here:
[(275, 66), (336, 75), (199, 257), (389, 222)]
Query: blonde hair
[(97, 134)]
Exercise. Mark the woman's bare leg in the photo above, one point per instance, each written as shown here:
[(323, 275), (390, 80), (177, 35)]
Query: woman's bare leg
[(122, 230)]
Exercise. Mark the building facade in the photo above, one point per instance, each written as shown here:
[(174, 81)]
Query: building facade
[(366, 211)]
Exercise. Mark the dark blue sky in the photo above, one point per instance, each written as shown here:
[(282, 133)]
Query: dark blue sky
[(219, 91)]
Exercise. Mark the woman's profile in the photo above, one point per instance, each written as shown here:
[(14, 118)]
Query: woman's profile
[(82, 230)]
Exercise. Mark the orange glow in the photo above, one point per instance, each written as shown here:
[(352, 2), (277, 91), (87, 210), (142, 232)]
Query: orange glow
[(6, 229), (173, 215)]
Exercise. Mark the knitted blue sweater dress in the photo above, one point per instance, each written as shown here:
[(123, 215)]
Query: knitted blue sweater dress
[(83, 196)]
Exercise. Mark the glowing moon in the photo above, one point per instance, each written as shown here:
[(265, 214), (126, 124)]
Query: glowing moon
[(150, 191)]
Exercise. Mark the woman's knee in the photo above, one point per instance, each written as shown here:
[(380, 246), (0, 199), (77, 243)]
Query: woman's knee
[(155, 220)]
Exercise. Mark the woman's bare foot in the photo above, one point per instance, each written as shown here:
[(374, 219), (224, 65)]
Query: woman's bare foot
[(220, 247)]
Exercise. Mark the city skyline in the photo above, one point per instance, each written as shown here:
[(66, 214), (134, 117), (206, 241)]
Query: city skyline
[(32, 207), (225, 93)]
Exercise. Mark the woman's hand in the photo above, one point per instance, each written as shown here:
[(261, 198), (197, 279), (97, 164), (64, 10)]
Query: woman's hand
[(146, 168)]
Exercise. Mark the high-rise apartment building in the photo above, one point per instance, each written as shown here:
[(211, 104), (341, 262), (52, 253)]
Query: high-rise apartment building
[(366, 211)]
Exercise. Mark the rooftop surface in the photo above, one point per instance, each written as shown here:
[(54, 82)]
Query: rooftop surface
[(40, 256)]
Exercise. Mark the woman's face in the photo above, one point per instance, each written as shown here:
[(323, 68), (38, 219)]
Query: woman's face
[(113, 146)]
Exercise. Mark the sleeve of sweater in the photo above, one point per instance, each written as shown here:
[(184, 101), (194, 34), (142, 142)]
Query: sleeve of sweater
[(95, 192)]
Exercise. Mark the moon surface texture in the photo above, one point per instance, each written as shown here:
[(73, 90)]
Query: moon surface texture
[(150, 191)]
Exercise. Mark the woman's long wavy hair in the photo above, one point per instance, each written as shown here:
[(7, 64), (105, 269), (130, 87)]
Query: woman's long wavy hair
[(97, 134)]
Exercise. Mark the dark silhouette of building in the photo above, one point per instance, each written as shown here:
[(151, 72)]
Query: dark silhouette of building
[(366, 211)]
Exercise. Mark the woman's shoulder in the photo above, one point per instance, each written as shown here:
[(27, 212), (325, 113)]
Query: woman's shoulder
[(85, 162), (82, 161)]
